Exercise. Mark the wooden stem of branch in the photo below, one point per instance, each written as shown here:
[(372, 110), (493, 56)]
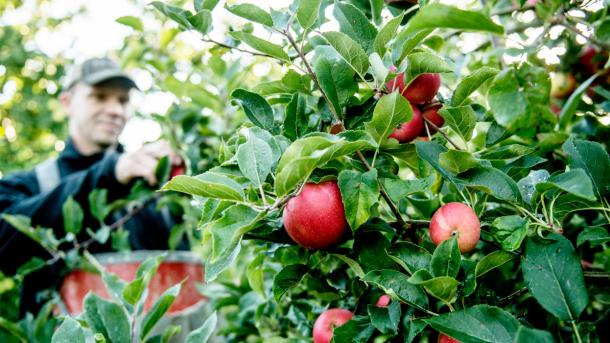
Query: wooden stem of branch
[(563, 21), (513, 9), (254, 53), (429, 122), (312, 75), (507, 299)]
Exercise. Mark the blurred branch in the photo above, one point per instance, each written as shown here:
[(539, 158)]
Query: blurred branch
[(564, 21), (513, 9)]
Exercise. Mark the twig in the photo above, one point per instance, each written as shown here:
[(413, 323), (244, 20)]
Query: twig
[(312, 75), (563, 21), (429, 122), (209, 40), (597, 275), (513, 9), (507, 299), (135, 210)]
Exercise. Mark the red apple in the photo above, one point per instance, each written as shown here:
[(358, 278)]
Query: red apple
[(456, 218), (408, 131), (592, 60), (315, 218), (431, 113), (562, 84), (327, 322), (442, 338), (420, 91), (383, 301), (177, 170)]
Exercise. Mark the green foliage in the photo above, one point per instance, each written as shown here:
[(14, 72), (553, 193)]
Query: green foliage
[(324, 113)]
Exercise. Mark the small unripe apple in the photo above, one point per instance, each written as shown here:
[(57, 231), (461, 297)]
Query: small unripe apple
[(327, 322), (420, 91), (431, 113), (408, 131), (315, 218), (442, 338), (383, 301), (177, 170), (562, 84), (456, 218)]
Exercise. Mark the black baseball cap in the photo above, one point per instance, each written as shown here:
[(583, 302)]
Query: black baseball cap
[(95, 71)]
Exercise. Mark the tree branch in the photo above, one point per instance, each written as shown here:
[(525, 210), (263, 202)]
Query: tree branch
[(429, 122)]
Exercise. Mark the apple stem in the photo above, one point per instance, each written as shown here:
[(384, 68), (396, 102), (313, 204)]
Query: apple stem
[(429, 122)]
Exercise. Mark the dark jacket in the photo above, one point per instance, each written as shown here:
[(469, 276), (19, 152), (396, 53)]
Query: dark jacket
[(80, 175)]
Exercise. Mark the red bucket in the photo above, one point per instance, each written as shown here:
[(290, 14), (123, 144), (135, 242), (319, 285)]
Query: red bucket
[(176, 266)]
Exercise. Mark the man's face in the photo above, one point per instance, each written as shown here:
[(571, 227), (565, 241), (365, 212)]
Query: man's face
[(97, 114)]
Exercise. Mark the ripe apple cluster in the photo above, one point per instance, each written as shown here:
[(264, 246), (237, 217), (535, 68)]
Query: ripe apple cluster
[(420, 93)]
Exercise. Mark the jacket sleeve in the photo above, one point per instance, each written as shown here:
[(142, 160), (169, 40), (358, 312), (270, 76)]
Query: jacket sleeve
[(45, 209)]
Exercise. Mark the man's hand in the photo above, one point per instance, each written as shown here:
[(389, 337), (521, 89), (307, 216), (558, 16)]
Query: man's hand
[(143, 162)]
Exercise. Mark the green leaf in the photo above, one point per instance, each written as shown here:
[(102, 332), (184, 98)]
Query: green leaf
[(133, 22), (134, 291), (471, 83), (398, 189), (507, 100), (396, 285), (360, 194), (430, 152), (593, 159), (252, 13), (306, 154), (255, 275), (261, 45), (527, 185), (493, 182), (205, 4), (352, 264), (424, 63), (73, 216), (410, 256), (226, 233), (255, 159), (69, 331), (158, 309), (569, 108), (553, 274), (107, 318), (509, 231), (461, 119), (446, 258), (574, 181), (336, 78), (295, 121), (257, 109), (97, 204), (202, 21), (492, 261), (307, 13), (479, 323), (203, 334), (176, 14), (349, 50), (406, 41), (14, 330), (527, 335), (288, 277), (594, 235), (208, 185), (386, 34), (357, 330), (386, 319), (457, 161), (355, 24), (435, 16), (390, 111)]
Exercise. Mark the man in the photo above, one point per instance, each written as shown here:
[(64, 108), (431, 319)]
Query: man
[(95, 98)]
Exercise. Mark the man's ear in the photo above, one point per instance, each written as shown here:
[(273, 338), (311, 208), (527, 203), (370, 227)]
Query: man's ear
[(65, 99)]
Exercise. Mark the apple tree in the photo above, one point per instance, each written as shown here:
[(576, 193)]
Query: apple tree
[(473, 203)]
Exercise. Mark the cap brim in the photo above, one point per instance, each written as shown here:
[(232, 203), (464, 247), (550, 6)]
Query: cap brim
[(105, 75)]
